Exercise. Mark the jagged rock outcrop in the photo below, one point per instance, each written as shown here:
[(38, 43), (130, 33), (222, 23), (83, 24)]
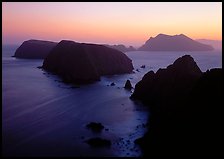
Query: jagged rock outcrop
[(185, 117), (34, 49), (85, 63), (192, 127), (173, 82), (180, 42)]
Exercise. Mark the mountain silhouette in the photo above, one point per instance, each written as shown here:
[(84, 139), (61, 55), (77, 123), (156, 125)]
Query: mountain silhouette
[(163, 42)]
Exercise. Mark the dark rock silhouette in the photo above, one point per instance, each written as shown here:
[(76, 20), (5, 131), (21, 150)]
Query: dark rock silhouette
[(98, 142), (112, 84), (186, 126), (143, 66), (128, 85), (180, 42), (85, 63), (96, 127), (174, 81), (121, 48), (34, 49)]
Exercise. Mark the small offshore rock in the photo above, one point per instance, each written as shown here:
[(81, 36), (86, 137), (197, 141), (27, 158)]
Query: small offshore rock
[(112, 84), (96, 127), (106, 129), (143, 66), (128, 85)]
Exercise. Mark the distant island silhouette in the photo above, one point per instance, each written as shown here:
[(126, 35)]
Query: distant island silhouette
[(121, 47), (163, 42), (216, 44), (39, 49), (34, 49)]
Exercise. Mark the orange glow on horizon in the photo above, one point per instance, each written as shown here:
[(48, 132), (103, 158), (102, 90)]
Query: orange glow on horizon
[(112, 23)]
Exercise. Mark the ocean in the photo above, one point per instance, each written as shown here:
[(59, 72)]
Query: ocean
[(42, 116)]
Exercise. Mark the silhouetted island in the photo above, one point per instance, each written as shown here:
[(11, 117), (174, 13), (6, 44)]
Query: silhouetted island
[(95, 127), (34, 49), (121, 47), (216, 44), (185, 110), (180, 42), (85, 63)]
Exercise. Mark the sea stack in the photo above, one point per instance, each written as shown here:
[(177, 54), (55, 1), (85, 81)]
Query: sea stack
[(128, 85), (85, 63)]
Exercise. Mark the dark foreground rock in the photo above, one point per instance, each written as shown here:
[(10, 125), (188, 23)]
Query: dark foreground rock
[(112, 84), (128, 85), (98, 142), (96, 127), (174, 81), (34, 49), (187, 126), (85, 63)]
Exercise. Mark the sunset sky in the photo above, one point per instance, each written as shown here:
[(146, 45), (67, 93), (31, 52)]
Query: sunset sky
[(128, 23)]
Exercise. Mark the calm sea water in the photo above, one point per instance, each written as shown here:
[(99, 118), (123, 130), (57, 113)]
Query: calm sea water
[(42, 116)]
